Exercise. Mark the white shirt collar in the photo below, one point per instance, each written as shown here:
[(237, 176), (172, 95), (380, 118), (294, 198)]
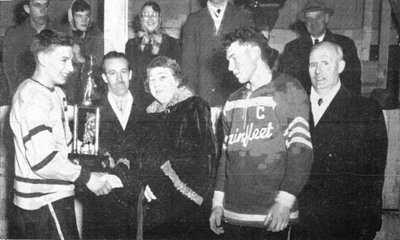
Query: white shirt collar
[(127, 102), (212, 9), (320, 38)]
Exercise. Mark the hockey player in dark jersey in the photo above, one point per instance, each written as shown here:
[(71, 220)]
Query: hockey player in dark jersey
[(267, 151)]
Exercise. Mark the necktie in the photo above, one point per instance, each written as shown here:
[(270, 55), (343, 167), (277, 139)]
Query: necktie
[(120, 106), (316, 41), (217, 12), (320, 102)]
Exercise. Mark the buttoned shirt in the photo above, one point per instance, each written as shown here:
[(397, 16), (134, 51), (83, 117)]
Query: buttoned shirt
[(319, 109), (122, 107)]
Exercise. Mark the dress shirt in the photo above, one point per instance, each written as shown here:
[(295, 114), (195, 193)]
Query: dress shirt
[(217, 18), (319, 110), (122, 107), (320, 39)]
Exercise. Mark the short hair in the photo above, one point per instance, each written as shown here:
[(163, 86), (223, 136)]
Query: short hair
[(46, 39), (252, 37), (80, 6), (166, 62), (111, 55), (27, 2), (337, 48), (155, 6)]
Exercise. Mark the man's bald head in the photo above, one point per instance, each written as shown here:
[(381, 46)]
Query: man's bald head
[(325, 65)]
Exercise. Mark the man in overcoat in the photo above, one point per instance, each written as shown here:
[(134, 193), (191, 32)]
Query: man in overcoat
[(294, 59)]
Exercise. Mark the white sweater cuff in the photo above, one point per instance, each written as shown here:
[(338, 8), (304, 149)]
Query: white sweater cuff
[(218, 199), (285, 198)]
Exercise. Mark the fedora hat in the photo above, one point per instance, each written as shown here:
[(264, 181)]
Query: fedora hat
[(314, 5)]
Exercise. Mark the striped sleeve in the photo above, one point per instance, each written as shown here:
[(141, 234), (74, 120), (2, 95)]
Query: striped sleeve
[(45, 136), (298, 142)]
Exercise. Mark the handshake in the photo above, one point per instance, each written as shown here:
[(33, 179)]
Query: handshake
[(103, 183)]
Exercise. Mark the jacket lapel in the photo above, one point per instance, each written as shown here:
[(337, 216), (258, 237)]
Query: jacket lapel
[(336, 108), (226, 19), (110, 117)]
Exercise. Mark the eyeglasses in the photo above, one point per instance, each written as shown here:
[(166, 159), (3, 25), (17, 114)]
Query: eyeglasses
[(147, 14)]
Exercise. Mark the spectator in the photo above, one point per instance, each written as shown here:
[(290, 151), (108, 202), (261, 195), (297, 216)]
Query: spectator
[(18, 60), (295, 56), (88, 51), (150, 42), (203, 54)]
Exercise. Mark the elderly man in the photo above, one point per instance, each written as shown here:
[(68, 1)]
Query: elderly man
[(294, 59), (44, 176), (342, 199), (267, 151)]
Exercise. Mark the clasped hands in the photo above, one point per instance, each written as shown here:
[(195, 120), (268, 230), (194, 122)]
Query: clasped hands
[(277, 218), (102, 183)]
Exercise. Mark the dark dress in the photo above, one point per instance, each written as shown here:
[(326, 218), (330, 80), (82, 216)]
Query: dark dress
[(183, 136), (138, 61)]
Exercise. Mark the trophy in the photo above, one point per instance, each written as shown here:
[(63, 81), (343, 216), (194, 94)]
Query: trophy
[(85, 147)]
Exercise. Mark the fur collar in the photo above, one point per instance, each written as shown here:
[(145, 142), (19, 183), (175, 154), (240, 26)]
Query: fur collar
[(182, 94)]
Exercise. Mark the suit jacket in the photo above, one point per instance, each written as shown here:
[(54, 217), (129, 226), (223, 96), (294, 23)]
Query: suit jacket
[(203, 55), (113, 216), (113, 138), (343, 194), (295, 59)]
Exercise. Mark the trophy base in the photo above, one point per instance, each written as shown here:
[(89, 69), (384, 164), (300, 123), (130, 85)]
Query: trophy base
[(92, 163)]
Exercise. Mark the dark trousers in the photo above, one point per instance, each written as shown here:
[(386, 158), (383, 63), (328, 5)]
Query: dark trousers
[(54, 221), (233, 232), (302, 233)]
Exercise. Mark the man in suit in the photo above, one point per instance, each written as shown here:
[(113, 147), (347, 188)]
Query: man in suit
[(119, 111), (294, 59), (109, 217), (342, 199), (203, 56)]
